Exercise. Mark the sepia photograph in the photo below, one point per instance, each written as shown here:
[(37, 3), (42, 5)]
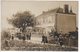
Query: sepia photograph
[(39, 25)]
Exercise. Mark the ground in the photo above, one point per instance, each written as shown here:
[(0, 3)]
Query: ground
[(35, 45)]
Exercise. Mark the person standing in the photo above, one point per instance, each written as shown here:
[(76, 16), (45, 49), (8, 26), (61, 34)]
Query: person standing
[(30, 36), (6, 43), (43, 38), (12, 37), (27, 36), (24, 38), (46, 40), (56, 39), (61, 40)]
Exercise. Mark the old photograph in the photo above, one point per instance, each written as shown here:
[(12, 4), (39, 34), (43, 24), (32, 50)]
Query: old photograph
[(39, 25)]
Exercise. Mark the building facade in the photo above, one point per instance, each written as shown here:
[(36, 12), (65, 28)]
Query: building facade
[(65, 23), (59, 19)]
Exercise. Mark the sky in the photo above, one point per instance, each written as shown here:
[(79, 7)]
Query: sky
[(8, 8)]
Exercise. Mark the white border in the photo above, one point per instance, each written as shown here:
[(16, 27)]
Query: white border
[(79, 26), (39, 0), (0, 25), (45, 0)]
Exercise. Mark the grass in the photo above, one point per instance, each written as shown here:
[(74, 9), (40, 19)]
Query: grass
[(29, 46)]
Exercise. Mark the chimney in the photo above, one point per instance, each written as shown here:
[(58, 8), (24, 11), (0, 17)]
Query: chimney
[(71, 10), (66, 8)]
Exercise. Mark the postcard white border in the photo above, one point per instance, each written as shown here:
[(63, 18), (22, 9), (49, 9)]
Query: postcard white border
[(46, 0)]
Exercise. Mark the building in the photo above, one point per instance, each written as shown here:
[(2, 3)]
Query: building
[(61, 20)]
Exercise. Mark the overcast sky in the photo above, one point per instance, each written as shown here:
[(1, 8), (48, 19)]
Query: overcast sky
[(36, 7)]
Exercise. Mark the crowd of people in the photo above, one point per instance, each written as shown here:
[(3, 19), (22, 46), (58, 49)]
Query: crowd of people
[(58, 40)]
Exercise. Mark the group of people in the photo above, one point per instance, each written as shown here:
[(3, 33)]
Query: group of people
[(59, 40), (28, 37), (44, 39), (23, 37)]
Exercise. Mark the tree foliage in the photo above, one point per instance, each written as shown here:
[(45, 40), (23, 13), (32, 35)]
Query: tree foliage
[(54, 33), (74, 33), (5, 35), (22, 20)]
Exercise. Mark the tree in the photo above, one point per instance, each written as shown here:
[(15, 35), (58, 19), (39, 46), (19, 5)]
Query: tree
[(73, 36), (22, 20), (5, 35), (54, 33)]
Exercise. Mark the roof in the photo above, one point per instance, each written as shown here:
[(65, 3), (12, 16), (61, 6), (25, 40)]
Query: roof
[(56, 10)]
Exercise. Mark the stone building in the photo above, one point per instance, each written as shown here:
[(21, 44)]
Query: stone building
[(61, 20)]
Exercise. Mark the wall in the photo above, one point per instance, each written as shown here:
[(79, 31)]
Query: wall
[(65, 23), (46, 21)]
